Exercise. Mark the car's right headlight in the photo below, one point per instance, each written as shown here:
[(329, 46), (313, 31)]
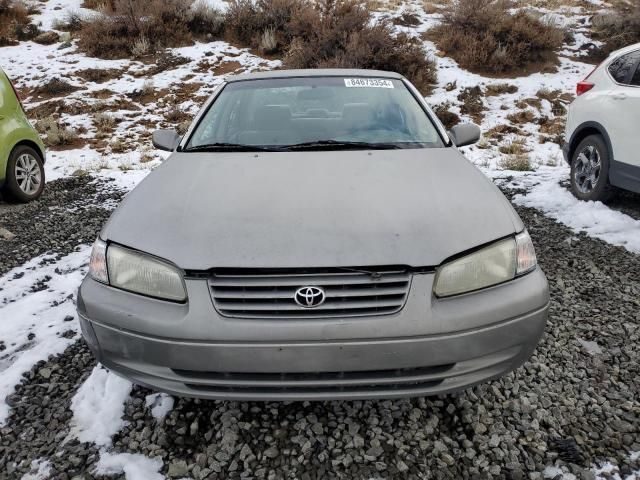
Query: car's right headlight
[(498, 263), (136, 272)]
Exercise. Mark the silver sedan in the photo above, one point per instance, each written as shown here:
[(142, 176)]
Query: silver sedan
[(314, 235)]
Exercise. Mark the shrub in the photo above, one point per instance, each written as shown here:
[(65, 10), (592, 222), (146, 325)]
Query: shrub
[(514, 147), (341, 34), (495, 89), (517, 162), (55, 133), (521, 116), (448, 118), (104, 122), (15, 24), (72, 22), (407, 19), (264, 24), (125, 27), (205, 20), (55, 87), (485, 36), (617, 29), (329, 33), (472, 104), (268, 41)]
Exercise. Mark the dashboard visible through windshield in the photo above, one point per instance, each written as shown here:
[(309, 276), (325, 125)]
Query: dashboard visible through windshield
[(314, 113)]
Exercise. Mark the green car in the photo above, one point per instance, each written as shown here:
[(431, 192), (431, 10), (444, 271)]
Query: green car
[(21, 150)]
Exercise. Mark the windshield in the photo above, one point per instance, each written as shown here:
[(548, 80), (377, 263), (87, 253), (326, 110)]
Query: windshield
[(315, 113)]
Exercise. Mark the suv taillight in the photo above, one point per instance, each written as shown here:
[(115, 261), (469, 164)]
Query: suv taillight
[(17, 96), (583, 87)]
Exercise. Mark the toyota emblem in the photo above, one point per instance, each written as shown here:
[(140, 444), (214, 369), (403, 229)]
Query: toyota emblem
[(309, 297)]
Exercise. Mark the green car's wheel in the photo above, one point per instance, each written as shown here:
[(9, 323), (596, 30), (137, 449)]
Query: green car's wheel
[(25, 175)]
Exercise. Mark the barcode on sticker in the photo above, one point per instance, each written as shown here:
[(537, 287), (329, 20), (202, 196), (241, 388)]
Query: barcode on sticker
[(368, 82)]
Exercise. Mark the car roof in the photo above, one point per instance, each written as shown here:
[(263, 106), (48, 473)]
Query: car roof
[(313, 72), (627, 49)]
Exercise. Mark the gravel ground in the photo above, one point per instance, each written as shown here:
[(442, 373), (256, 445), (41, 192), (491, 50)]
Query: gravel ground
[(571, 401), (70, 212)]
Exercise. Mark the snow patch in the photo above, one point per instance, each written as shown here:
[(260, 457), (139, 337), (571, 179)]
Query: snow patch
[(555, 472), (40, 470), (32, 324), (98, 407), (133, 466), (592, 348), (593, 218), (160, 403)]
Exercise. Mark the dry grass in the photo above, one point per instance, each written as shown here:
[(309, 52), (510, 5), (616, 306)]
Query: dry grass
[(525, 103), (117, 145), (15, 24), (618, 28), (265, 24), (518, 163), (552, 129), (549, 95), (71, 22), (183, 126), (97, 75), (448, 118), (146, 155), (104, 122), (500, 131), (54, 88), (128, 27), (176, 116), (496, 89), (307, 33), (341, 34), (514, 147), (472, 104), (484, 36), (522, 116), (407, 19), (516, 156), (46, 109), (328, 33), (55, 133)]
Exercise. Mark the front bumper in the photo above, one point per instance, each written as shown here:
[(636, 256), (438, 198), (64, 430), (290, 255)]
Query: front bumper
[(430, 347)]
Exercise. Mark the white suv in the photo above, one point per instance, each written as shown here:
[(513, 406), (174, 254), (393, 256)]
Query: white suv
[(603, 128)]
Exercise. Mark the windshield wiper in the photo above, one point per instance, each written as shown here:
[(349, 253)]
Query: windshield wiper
[(232, 147), (341, 145)]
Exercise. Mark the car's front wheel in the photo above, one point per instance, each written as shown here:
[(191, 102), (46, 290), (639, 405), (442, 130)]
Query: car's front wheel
[(25, 175), (590, 170)]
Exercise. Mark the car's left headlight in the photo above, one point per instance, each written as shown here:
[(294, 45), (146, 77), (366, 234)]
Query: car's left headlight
[(498, 263), (136, 272)]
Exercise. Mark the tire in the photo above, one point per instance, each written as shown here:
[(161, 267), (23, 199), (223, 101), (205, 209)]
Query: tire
[(24, 180), (590, 163)]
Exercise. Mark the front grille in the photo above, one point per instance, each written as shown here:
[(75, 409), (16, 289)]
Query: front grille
[(347, 294), (423, 377)]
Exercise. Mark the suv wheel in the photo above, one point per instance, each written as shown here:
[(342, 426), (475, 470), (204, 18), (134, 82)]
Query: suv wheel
[(25, 175), (590, 170)]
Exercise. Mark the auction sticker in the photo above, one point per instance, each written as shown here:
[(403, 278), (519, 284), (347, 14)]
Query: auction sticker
[(368, 82)]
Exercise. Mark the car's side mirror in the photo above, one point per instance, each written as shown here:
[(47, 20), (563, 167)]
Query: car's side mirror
[(165, 140), (465, 134)]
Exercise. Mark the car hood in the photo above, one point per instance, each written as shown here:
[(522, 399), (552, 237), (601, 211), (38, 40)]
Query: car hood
[(413, 207)]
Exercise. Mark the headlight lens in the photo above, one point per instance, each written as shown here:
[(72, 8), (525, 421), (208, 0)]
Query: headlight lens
[(136, 272), (497, 263), (144, 274)]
